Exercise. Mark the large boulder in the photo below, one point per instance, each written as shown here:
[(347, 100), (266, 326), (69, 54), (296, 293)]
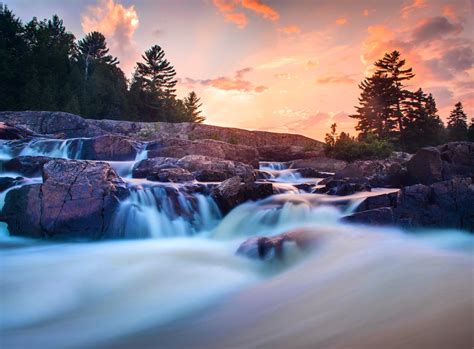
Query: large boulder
[(458, 159), (232, 192), (342, 187), (28, 166), (446, 204), (319, 164), (270, 248), (281, 153), (209, 169), (174, 175), (376, 216), (221, 150), (77, 199), (151, 167), (426, 166), (378, 201), (109, 147)]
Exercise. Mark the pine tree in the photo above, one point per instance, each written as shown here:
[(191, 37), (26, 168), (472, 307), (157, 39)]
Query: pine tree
[(457, 124), (470, 131), (156, 72), (192, 105), (93, 49)]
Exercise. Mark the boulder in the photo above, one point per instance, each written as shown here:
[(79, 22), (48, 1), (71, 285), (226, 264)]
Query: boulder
[(209, 169), (151, 167), (280, 153), (319, 164), (458, 159), (175, 175), (77, 199), (378, 201), (446, 204), (221, 150), (109, 147), (342, 187), (232, 192), (28, 166), (312, 173), (376, 216), (426, 166), (11, 132), (269, 248)]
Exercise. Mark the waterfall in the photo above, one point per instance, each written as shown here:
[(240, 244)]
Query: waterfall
[(165, 211), (272, 166), (54, 148)]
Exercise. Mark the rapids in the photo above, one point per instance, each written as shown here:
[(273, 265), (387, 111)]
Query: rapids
[(182, 285)]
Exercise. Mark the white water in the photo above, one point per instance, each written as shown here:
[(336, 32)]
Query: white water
[(183, 286)]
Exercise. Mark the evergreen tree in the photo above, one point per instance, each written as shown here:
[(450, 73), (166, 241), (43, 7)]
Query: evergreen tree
[(470, 131), (192, 104), (457, 124), (93, 49)]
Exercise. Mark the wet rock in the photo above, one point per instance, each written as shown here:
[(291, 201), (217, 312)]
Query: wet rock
[(269, 248), (76, 200), (312, 173), (378, 201), (209, 169), (282, 153), (149, 168), (322, 164), (263, 175), (233, 191), (458, 159), (28, 166), (376, 216), (426, 166), (342, 187), (175, 175), (446, 204), (109, 147), (8, 182), (11, 132)]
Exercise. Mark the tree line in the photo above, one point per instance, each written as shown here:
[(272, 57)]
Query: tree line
[(391, 117), (43, 67)]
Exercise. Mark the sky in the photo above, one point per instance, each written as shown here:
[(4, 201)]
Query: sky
[(283, 65)]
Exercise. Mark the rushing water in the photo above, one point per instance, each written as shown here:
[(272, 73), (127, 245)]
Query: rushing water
[(182, 285)]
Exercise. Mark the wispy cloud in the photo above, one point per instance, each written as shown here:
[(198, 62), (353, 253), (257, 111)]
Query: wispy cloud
[(232, 10), (118, 23), (341, 21), (411, 7), (336, 79), (291, 29)]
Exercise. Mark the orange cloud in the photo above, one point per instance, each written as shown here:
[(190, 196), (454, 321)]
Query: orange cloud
[(408, 9), (228, 8), (291, 29), (341, 21), (118, 24), (235, 83), (448, 11), (336, 79)]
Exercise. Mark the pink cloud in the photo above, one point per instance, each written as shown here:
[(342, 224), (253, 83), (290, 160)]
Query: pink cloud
[(229, 9), (291, 29), (409, 8), (118, 23), (341, 21), (336, 79)]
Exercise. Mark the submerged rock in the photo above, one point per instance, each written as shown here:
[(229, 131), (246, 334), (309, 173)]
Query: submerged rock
[(76, 200), (270, 248), (8, 182), (232, 192)]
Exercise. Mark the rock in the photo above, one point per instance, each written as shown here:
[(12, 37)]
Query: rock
[(376, 216), (342, 187), (8, 182), (232, 192), (282, 153), (208, 169), (446, 204), (28, 166), (221, 150), (426, 166), (458, 159), (312, 173), (11, 132), (269, 248), (319, 164), (151, 167), (263, 175), (377, 173), (175, 175), (109, 147), (76, 200), (378, 201)]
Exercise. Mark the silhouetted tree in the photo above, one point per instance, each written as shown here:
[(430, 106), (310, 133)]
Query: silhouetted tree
[(457, 124), (192, 104), (470, 131), (93, 49)]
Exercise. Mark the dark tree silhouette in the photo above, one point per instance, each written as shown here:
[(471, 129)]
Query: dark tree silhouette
[(457, 123), (192, 104)]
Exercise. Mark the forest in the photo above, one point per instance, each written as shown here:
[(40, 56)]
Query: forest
[(56, 72)]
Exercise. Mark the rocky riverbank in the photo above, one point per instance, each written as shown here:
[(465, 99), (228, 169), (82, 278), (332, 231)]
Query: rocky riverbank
[(67, 177)]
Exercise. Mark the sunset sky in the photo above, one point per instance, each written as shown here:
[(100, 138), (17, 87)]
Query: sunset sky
[(283, 65)]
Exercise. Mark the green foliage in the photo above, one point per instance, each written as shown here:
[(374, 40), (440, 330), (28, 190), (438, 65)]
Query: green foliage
[(345, 147), (42, 67), (233, 140)]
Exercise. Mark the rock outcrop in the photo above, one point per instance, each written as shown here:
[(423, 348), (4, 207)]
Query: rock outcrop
[(10, 132), (232, 192), (109, 147), (28, 166), (322, 164), (282, 152), (77, 199)]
